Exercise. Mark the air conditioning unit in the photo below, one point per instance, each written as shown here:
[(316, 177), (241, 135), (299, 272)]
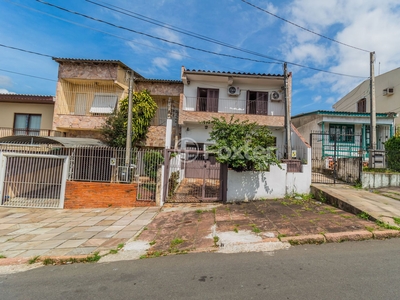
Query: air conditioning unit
[(388, 91), (275, 96), (233, 90)]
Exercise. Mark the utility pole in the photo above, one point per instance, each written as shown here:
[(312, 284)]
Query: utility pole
[(372, 146), (287, 114), (129, 129)]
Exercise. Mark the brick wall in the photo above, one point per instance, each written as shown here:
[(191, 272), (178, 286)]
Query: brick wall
[(101, 195)]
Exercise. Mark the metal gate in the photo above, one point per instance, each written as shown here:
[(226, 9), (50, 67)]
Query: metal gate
[(33, 180), (336, 158), (191, 177)]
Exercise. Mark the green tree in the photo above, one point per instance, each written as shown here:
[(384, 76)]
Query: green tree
[(392, 147), (143, 110), (243, 145)]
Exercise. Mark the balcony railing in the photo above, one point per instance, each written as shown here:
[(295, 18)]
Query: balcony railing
[(232, 106), (160, 119), (6, 131)]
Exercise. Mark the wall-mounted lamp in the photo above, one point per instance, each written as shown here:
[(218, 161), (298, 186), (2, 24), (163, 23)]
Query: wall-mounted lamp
[(206, 127), (187, 128)]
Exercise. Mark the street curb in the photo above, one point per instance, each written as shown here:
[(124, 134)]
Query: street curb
[(338, 237)]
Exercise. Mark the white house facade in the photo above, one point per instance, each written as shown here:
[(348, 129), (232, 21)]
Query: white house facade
[(387, 95)]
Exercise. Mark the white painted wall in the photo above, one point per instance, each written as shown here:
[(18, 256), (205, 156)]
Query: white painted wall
[(277, 183), (383, 103), (234, 104)]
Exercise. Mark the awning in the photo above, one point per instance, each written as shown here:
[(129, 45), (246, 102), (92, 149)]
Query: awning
[(67, 142)]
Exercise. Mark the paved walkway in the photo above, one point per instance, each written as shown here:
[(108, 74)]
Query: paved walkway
[(373, 202), (28, 232)]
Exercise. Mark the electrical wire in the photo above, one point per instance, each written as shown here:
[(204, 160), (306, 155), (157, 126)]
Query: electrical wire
[(301, 27), (27, 75), (119, 37), (27, 51), (191, 47)]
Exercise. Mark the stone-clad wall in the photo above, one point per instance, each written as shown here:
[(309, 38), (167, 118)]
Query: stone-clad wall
[(88, 71), (161, 88)]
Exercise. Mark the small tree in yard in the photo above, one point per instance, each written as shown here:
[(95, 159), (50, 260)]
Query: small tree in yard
[(392, 147), (243, 145), (143, 110)]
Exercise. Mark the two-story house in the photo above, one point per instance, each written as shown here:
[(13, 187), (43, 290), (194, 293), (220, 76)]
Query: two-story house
[(89, 90), (26, 115), (248, 96), (387, 95)]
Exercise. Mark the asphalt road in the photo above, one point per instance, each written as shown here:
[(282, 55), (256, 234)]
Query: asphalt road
[(350, 270)]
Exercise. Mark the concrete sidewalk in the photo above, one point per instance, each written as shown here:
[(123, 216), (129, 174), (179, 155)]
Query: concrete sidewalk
[(356, 201), (26, 232), (255, 226)]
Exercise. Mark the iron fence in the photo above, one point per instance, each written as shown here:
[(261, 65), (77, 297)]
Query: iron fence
[(100, 164)]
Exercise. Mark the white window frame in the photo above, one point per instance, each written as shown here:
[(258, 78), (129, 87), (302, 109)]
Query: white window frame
[(105, 107)]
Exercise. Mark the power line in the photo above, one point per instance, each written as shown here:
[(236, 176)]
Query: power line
[(173, 28), (301, 27), (27, 51), (191, 47), (116, 36), (27, 75)]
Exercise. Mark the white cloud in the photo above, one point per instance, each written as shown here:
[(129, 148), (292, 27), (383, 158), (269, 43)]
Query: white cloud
[(330, 100), (5, 81), (4, 91), (161, 63)]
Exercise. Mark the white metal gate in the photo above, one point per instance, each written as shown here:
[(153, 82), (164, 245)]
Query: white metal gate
[(33, 180)]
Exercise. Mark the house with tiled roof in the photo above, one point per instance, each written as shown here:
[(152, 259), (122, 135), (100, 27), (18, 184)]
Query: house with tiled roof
[(26, 115), (348, 132), (89, 90), (248, 96)]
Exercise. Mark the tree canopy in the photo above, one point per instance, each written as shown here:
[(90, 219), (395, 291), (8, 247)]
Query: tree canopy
[(243, 145), (143, 110)]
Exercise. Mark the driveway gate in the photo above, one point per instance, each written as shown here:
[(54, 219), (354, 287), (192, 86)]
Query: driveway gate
[(33, 180), (336, 158)]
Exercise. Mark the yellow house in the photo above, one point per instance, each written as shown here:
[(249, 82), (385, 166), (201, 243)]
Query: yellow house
[(89, 90), (26, 115)]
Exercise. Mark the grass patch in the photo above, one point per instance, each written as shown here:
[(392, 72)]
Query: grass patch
[(2, 256), (199, 211), (396, 220), (346, 216), (363, 215), (370, 229), (386, 225), (152, 243), (216, 240), (176, 242), (33, 260), (255, 229), (280, 235)]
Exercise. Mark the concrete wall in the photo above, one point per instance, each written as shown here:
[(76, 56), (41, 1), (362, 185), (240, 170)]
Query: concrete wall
[(277, 183), (379, 180), (8, 110)]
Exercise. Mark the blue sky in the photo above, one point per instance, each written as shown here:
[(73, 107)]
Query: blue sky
[(367, 24)]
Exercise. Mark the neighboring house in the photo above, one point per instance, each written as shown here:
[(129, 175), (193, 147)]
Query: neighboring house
[(350, 128), (26, 115), (248, 96), (89, 90), (387, 95), (161, 91)]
